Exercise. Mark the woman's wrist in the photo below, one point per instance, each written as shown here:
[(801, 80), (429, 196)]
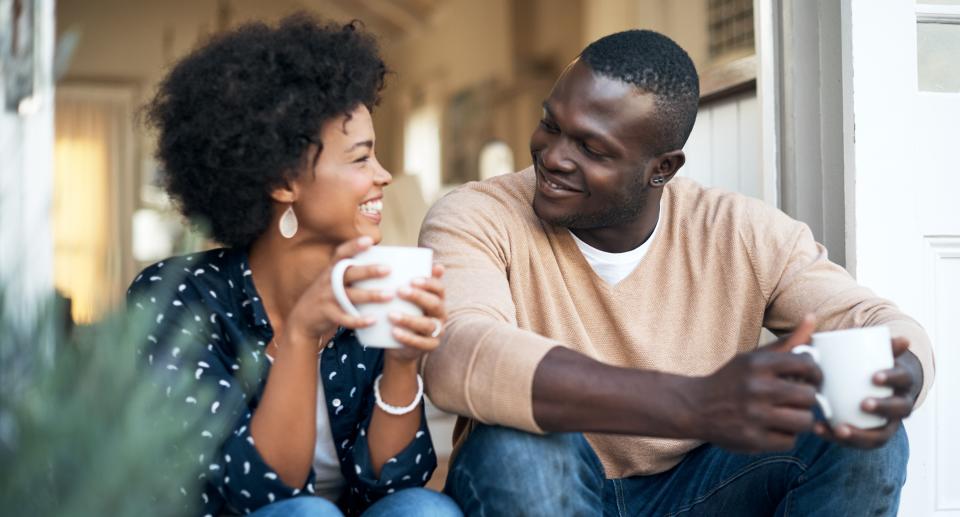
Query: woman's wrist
[(400, 369), (398, 383)]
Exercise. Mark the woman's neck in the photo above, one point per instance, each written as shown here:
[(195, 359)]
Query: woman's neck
[(282, 270)]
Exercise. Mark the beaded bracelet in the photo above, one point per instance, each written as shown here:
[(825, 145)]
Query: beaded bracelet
[(397, 410)]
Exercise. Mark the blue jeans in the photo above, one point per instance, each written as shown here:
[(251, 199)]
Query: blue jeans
[(409, 501), (501, 471)]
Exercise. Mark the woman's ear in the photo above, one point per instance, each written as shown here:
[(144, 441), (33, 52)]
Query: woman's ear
[(286, 194)]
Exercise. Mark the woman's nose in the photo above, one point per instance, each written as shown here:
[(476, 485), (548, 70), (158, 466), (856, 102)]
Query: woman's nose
[(381, 176)]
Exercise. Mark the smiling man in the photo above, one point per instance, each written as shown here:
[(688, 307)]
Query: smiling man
[(604, 319)]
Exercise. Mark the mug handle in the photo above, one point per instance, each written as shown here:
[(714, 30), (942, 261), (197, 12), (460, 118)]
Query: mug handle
[(815, 354), (339, 290)]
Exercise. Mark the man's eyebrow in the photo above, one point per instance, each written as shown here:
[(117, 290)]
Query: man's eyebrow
[(582, 134)]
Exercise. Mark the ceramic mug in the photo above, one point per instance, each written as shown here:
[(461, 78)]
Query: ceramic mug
[(406, 263), (849, 359)]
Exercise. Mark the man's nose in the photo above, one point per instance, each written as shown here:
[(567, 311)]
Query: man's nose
[(556, 157)]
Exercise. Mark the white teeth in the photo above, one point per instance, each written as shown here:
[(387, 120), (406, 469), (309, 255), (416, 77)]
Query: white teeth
[(372, 207)]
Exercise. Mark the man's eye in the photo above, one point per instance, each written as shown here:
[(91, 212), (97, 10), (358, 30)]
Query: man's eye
[(550, 128), (362, 159), (590, 152)]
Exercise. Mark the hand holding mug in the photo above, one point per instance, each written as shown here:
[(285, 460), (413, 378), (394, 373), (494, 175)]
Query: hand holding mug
[(420, 334), (410, 323), (905, 380), (317, 313)]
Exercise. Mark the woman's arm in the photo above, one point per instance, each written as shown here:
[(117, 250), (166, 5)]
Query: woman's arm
[(284, 426), (390, 434)]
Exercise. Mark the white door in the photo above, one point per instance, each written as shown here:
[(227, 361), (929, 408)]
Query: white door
[(902, 132)]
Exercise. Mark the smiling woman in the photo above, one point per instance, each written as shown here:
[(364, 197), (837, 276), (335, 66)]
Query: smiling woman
[(265, 134)]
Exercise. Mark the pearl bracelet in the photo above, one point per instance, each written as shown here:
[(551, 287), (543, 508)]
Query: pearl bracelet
[(397, 410)]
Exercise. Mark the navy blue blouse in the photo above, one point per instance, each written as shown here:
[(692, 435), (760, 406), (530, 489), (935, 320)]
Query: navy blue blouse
[(207, 322)]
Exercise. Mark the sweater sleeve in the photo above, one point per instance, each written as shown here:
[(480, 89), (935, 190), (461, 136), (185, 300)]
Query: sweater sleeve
[(191, 362), (797, 278), (485, 365)]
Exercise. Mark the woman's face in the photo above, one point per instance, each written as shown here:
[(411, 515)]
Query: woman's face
[(341, 197)]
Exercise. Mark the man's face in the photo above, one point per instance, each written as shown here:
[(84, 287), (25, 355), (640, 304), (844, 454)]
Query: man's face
[(590, 151)]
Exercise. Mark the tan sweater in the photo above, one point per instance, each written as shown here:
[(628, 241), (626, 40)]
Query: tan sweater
[(721, 266)]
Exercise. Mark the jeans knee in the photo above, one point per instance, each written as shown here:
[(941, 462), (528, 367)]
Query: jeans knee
[(883, 468), (502, 451), (411, 502), (509, 472), (302, 506)]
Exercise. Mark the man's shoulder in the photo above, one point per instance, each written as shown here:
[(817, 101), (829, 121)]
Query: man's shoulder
[(692, 203), (507, 197)]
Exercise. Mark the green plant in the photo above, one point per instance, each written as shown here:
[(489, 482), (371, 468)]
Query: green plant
[(84, 428)]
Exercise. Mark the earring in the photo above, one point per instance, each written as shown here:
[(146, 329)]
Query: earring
[(658, 181), (288, 223)]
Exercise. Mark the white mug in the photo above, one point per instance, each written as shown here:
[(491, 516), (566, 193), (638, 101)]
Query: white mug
[(406, 263), (849, 359)]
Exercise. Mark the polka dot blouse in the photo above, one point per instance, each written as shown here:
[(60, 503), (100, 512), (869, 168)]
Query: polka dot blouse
[(207, 324)]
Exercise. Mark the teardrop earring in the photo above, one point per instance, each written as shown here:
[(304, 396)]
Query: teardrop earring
[(288, 223)]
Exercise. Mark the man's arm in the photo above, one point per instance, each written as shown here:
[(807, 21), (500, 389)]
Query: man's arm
[(797, 277), (757, 402)]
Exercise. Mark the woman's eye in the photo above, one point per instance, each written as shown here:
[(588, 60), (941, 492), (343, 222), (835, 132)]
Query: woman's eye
[(362, 159)]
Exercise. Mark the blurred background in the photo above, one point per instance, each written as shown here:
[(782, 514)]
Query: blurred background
[(842, 113), (465, 97)]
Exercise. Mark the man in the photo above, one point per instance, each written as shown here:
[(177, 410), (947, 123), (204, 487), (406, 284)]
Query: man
[(604, 315)]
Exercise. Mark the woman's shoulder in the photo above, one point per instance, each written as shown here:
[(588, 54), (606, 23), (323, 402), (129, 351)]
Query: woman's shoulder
[(185, 275)]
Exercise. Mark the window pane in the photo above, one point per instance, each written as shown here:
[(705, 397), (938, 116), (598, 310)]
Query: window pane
[(938, 68)]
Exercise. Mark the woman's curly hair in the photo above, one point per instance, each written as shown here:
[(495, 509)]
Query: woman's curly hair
[(236, 116)]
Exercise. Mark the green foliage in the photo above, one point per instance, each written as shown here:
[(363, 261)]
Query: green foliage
[(84, 428)]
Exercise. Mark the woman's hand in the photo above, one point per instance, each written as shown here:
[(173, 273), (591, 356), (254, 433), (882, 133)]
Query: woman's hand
[(420, 334), (317, 314)]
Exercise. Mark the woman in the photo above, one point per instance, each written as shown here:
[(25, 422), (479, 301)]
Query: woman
[(265, 135)]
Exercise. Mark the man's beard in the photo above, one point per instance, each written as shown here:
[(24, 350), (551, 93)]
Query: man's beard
[(619, 211)]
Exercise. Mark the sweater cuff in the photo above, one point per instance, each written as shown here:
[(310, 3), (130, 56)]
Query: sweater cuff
[(484, 370)]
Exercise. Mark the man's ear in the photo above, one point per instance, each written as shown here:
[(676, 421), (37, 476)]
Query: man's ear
[(665, 167)]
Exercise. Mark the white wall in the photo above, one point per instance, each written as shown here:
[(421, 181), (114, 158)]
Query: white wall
[(724, 147), (26, 170)]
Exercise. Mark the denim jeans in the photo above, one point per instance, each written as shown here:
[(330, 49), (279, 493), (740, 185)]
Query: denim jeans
[(414, 502), (501, 471)]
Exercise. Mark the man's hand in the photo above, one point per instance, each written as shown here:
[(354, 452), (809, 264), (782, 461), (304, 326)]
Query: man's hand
[(759, 401), (906, 378)]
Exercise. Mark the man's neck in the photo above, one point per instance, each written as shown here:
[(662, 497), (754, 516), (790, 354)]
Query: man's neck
[(624, 237)]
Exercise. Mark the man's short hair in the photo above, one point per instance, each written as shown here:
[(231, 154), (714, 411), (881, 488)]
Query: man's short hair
[(654, 64)]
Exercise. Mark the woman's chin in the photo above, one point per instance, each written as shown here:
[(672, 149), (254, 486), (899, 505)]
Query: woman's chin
[(372, 231)]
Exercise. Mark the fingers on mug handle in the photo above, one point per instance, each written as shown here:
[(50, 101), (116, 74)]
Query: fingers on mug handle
[(358, 273), (412, 340)]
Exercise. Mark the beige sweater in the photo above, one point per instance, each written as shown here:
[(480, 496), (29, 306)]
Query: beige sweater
[(721, 266)]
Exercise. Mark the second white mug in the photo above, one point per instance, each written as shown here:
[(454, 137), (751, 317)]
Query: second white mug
[(849, 359)]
